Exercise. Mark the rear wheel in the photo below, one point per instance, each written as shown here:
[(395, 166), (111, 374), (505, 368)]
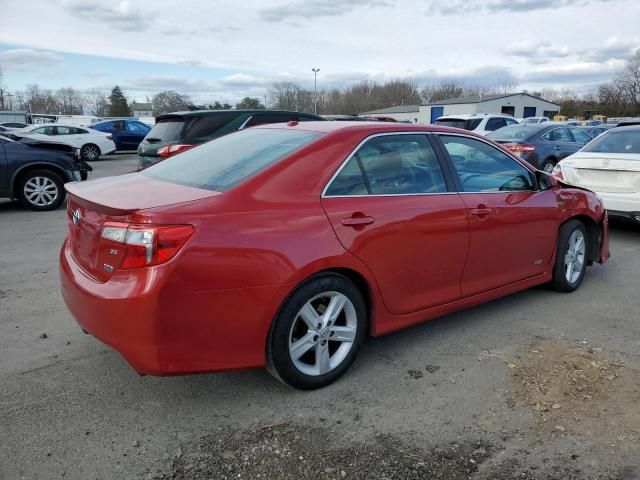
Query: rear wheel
[(571, 256), (548, 166), (318, 332), (90, 152), (40, 190)]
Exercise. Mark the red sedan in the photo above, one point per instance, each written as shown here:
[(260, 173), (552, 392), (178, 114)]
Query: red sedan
[(284, 245)]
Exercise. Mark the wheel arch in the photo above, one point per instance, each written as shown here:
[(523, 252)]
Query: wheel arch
[(20, 172)]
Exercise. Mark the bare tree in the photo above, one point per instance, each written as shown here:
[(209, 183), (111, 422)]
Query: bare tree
[(170, 101), (95, 101), (69, 101)]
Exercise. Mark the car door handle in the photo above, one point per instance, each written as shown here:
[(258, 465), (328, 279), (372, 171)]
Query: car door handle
[(357, 220), (481, 211)]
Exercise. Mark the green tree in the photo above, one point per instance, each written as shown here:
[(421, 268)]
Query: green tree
[(118, 106), (250, 103)]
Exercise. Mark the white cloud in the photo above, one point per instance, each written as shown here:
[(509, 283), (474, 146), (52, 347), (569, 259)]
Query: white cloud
[(120, 15), (27, 59), (309, 9)]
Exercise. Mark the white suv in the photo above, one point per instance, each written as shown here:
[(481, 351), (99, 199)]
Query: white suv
[(481, 123)]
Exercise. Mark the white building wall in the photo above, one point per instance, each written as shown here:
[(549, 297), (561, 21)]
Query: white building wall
[(518, 102)]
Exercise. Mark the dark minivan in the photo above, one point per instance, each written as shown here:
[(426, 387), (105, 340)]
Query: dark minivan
[(542, 144), (176, 132)]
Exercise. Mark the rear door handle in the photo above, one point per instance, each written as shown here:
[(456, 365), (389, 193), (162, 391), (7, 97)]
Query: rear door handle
[(357, 220), (480, 211)]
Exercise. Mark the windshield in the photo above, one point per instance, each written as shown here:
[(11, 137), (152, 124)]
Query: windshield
[(229, 160), (528, 121), (167, 129), (615, 142), (459, 123)]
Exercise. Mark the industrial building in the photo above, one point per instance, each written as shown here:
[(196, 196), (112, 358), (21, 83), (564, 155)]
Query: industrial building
[(518, 105)]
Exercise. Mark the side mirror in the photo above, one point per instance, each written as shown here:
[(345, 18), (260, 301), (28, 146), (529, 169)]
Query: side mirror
[(545, 181)]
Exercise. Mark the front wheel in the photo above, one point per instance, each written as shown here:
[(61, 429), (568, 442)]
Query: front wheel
[(318, 332), (40, 190), (571, 256), (90, 152)]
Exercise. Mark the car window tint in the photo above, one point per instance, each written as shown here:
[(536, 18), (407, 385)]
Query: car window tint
[(64, 130), (483, 168), (495, 124), (231, 159), (42, 130), (558, 135), (79, 131), (580, 136), (264, 118), (400, 164), (137, 128), (167, 129), (349, 181), (616, 142), (207, 125)]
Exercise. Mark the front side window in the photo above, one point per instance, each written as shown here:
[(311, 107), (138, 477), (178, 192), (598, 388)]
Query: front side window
[(137, 128), (391, 165), (483, 168), (229, 160)]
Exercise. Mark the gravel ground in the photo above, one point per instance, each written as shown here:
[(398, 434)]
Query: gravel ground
[(537, 385)]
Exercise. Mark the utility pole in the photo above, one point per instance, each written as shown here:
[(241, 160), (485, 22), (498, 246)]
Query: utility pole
[(315, 90)]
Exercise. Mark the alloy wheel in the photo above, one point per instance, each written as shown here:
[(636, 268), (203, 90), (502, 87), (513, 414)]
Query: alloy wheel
[(323, 333), (41, 191), (91, 152), (575, 256)]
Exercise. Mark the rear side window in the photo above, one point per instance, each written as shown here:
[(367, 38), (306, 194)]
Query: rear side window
[(558, 135), (207, 125), (391, 165), (229, 160), (167, 129)]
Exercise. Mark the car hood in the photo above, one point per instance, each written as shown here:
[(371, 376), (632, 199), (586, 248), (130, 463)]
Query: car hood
[(131, 192)]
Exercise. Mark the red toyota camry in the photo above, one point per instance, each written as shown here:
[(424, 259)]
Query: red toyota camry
[(284, 245)]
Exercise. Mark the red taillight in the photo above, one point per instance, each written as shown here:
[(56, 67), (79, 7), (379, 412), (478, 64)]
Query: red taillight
[(557, 172), (170, 150), (126, 246), (109, 137), (519, 148)]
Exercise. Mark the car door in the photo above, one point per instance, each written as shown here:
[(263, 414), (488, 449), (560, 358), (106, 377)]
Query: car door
[(513, 225), (562, 141), (4, 172), (392, 206), (136, 132)]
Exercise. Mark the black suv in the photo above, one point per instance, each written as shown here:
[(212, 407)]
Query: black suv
[(176, 132), (34, 172)]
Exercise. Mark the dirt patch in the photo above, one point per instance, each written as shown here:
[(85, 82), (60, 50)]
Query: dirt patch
[(575, 389), (300, 452)]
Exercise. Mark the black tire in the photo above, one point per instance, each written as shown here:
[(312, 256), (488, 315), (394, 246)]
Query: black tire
[(24, 190), (90, 152), (279, 361), (560, 281), (547, 165)]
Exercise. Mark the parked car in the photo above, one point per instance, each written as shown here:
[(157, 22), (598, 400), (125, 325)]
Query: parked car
[(610, 166), (628, 122), (542, 145), (13, 125), (534, 120), (91, 143), (379, 118), (34, 172), (126, 133), (480, 123), (285, 245), (347, 118), (176, 132)]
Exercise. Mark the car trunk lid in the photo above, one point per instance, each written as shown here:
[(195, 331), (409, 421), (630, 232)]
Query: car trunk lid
[(607, 173), (115, 200)]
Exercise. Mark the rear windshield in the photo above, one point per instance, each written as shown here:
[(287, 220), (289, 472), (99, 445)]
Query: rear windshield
[(615, 142), (167, 129), (511, 133), (459, 123), (229, 160)]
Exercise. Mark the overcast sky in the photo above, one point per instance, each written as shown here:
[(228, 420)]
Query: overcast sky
[(224, 50)]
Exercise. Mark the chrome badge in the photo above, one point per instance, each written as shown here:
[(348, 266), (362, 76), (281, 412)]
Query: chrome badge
[(76, 216), (606, 162)]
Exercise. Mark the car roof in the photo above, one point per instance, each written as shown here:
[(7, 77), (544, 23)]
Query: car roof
[(200, 113), (364, 127), (627, 128), (469, 116)]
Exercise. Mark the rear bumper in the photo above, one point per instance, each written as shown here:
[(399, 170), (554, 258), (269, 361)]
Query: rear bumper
[(162, 328)]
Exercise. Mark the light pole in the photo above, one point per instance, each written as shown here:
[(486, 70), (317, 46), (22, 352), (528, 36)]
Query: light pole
[(315, 90)]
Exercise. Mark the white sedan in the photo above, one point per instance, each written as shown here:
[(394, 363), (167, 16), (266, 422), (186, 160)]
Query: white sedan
[(610, 166), (91, 143)]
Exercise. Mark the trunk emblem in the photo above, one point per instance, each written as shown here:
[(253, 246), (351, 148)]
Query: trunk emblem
[(76, 216), (606, 162)]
